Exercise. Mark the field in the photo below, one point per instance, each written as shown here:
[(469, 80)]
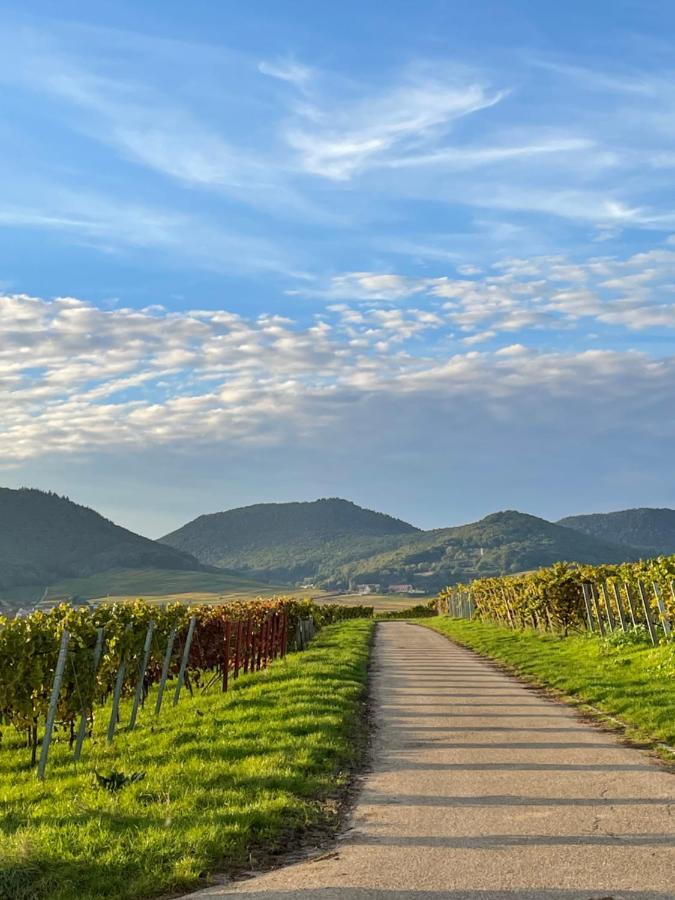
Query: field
[(129, 584), (228, 780), (632, 682)]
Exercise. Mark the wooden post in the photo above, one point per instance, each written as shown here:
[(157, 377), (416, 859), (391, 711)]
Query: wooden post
[(117, 693), (237, 648), (509, 612), (247, 646), (631, 604), (648, 613), (284, 634), (596, 606), (619, 605), (608, 606), (665, 621), (147, 646), (53, 703), (184, 660), (226, 655), (587, 603), (165, 670), (82, 730)]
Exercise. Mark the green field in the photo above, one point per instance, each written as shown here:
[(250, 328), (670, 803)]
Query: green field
[(132, 583), (633, 682), (229, 780)]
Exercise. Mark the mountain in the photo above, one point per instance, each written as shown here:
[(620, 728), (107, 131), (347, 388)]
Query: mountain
[(650, 530), (500, 543), (336, 543), (290, 541), (45, 538)]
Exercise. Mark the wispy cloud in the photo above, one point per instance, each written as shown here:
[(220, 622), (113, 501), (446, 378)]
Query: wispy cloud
[(338, 139)]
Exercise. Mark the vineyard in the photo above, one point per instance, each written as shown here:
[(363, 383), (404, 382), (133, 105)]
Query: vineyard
[(636, 598), (60, 669)]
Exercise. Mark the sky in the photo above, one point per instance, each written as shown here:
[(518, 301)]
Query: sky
[(417, 255)]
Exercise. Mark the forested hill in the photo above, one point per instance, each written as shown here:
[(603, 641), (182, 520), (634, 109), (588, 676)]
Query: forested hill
[(651, 530), (500, 543), (289, 541), (337, 543), (44, 538)]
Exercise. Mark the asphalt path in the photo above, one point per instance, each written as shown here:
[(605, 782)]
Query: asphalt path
[(483, 789)]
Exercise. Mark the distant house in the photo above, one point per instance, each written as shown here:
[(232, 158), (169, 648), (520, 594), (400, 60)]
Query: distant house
[(368, 588), (401, 588)]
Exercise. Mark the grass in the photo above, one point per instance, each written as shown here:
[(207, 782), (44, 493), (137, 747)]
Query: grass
[(230, 779), (634, 683), (125, 583)]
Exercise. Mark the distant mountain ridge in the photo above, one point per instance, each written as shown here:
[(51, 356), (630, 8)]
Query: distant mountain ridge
[(289, 541), (337, 543), (650, 530), (45, 538)]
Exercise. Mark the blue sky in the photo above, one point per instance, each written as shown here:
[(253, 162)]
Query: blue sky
[(422, 258)]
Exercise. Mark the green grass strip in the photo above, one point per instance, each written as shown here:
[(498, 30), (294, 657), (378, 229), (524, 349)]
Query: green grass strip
[(634, 683), (230, 778)]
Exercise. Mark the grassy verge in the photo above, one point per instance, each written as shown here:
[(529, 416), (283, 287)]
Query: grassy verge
[(230, 779), (635, 683)]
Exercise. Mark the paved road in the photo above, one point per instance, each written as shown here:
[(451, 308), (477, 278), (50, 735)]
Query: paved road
[(483, 790)]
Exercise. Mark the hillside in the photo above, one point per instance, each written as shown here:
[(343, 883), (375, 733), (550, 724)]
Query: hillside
[(650, 530), (290, 541), (500, 543), (45, 538)]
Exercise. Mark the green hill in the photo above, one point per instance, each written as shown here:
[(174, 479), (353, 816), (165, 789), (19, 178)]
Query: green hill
[(45, 539), (650, 530), (500, 543), (337, 543), (290, 541)]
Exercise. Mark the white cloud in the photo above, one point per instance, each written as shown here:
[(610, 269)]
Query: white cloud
[(338, 139), (77, 378), (547, 292)]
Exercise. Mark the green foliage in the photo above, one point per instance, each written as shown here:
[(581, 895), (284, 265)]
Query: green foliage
[(650, 530), (45, 538), (502, 542), (289, 541), (552, 597), (336, 543), (117, 780), (231, 779)]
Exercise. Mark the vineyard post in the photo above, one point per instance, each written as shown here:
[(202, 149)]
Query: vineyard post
[(119, 681), (631, 604), (596, 606), (608, 606), (165, 670), (184, 660), (508, 607), (587, 603), (260, 645), (619, 605), (284, 634), (237, 648), (82, 730), (275, 635), (226, 655), (53, 703), (247, 645), (648, 613), (665, 621), (147, 646)]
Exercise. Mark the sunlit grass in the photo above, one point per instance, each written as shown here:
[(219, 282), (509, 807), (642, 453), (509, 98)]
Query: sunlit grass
[(635, 683), (229, 778)]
